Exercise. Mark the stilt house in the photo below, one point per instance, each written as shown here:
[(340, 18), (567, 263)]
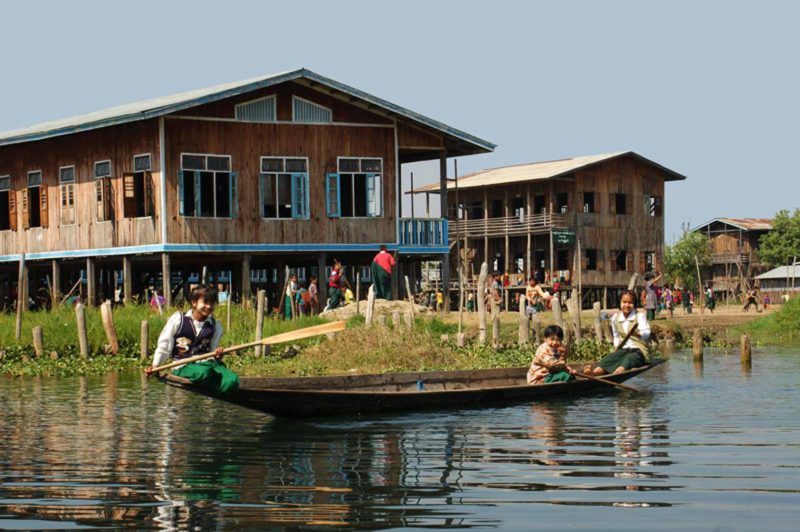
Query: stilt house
[(592, 220), (245, 179)]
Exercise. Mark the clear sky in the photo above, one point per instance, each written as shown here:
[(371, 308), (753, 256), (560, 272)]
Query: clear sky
[(708, 89)]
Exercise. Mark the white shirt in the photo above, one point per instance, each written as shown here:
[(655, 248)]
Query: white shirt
[(622, 324), (166, 340)]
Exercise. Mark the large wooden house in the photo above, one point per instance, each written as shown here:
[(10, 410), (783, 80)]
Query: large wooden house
[(536, 219), (290, 170), (734, 262)]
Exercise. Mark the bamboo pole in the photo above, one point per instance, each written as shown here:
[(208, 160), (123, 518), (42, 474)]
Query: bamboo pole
[(83, 339), (22, 301), (358, 292), (260, 302), (144, 340), (108, 324), (524, 332), (410, 298), (77, 283), (38, 340), (480, 301)]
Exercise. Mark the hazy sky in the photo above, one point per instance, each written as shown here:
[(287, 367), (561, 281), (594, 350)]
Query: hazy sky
[(708, 89)]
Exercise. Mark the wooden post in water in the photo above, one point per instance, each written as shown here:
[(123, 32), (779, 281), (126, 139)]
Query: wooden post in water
[(574, 308), (555, 304), (83, 339), (481, 302), (524, 332), (598, 323), (496, 330), (38, 340), (697, 345), (370, 306), (108, 324), (22, 301), (261, 300), (744, 353), (144, 340)]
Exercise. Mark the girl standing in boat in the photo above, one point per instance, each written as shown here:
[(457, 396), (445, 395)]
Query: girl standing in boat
[(634, 351), (194, 333), (550, 361)]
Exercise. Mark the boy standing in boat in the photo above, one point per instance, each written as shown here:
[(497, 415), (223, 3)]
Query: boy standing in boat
[(194, 333), (550, 361)]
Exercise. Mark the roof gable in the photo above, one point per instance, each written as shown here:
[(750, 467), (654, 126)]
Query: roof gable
[(745, 224), (161, 106)]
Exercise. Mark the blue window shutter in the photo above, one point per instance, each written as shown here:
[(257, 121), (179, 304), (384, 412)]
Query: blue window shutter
[(374, 195), (197, 194), (261, 179), (299, 196), (234, 196), (333, 196), (181, 207)]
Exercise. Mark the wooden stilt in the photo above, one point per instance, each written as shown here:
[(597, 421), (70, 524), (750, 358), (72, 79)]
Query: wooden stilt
[(166, 273)]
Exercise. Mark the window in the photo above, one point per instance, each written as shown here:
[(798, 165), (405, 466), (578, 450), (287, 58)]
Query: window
[(653, 206), (562, 259), (34, 202), (66, 180), (261, 110), (207, 188), (619, 262), (518, 208), (357, 190), (620, 204), (8, 211), (562, 202), (591, 259), (648, 261), (588, 202), (103, 201), (497, 208), (137, 189), (284, 187), (310, 112)]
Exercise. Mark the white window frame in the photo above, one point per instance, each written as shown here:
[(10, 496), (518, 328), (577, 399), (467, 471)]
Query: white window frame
[(234, 198), (39, 186), (379, 195), (329, 109), (99, 189), (133, 164), (272, 97), (10, 191), (68, 188), (261, 173)]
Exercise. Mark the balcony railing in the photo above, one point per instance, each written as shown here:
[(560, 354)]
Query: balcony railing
[(512, 225), (423, 232)]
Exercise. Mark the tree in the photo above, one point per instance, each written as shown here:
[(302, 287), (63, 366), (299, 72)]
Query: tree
[(679, 258), (782, 244)]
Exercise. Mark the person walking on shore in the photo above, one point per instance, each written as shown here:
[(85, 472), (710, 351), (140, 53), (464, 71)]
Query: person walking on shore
[(381, 270)]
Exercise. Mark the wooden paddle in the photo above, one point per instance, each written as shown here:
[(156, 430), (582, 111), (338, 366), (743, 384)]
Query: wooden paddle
[(593, 378), (290, 336)]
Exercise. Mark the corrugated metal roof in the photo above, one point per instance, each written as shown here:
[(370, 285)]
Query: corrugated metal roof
[(745, 224), (169, 104), (537, 171), (781, 272)]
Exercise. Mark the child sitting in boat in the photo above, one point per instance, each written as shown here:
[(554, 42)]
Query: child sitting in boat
[(633, 353), (550, 361)]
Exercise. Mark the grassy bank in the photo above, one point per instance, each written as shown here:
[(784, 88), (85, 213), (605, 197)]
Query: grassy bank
[(779, 328)]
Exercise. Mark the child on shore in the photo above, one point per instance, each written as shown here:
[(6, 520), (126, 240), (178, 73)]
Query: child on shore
[(550, 361), (194, 333), (635, 349)]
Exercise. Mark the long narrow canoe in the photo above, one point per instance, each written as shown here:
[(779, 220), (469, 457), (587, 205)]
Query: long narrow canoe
[(302, 397)]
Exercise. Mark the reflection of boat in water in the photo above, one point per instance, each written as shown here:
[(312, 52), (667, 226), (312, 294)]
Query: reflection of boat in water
[(300, 397)]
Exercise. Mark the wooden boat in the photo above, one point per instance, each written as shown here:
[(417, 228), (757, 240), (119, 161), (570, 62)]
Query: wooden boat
[(302, 397)]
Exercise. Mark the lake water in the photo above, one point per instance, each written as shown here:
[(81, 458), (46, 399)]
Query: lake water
[(705, 448)]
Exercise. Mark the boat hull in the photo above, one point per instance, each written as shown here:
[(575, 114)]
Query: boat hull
[(304, 397)]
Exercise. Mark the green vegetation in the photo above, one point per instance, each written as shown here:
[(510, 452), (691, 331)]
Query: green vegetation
[(779, 328), (782, 244), (679, 259)]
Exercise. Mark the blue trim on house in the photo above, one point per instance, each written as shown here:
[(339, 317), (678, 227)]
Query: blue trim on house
[(219, 248)]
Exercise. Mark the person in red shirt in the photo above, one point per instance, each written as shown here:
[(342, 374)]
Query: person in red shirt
[(381, 269), (335, 284)]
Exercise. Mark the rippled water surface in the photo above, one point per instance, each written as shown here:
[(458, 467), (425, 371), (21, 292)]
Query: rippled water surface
[(705, 448)]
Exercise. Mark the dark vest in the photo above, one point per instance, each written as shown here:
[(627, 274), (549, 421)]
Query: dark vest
[(199, 343)]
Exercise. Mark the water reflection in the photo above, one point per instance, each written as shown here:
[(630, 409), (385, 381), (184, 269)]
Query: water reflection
[(121, 451)]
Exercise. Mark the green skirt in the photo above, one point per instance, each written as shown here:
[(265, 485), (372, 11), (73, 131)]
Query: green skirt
[(382, 282), (211, 374), (626, 357), (559, 376)]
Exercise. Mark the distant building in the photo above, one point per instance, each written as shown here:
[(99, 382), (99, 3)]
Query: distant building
[(734, 242), (780, 280), (531, 219)]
